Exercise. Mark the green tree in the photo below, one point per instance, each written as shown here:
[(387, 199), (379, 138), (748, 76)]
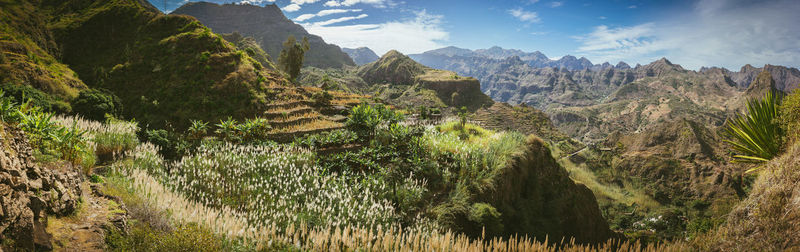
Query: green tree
[(291, 58), (95, 104)]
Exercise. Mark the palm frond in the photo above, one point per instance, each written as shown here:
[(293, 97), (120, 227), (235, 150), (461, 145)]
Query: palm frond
[(756, 135)]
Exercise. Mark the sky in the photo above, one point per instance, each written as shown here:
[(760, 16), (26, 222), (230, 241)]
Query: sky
[(692, 33)]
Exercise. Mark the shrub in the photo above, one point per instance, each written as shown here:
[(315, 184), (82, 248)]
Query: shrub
[(227, 130), (327, 139), (756, 135), (253, 129), (170, 145), (322, 98), (790, 116), (96, 104), (363, 120), (24, 93)]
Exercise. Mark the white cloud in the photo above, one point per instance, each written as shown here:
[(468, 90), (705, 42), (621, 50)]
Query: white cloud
[(602, 17), (302, 2), (291, 8), (323, 13), (253, 2), (422, 33), (726, 33), (556, 4), (525, 16), (632, 7), (376, 3), (338, 20), (304, 17)]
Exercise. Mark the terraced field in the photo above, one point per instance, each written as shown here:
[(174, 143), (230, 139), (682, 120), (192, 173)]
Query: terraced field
[(296, 113)]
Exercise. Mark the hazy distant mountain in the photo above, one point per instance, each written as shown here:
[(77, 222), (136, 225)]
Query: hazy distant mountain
[(444, 56), (268, 26), (786, 78), (361, 55), (534, 79)]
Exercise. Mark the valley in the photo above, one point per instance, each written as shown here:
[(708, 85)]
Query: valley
[(229, 127)]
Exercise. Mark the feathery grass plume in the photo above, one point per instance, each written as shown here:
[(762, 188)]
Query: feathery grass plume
[(756, 135)]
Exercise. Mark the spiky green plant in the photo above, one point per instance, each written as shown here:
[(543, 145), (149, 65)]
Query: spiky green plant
[(756, 135), (198, 129)]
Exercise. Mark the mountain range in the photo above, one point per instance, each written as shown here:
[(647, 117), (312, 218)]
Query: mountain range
[(534, 79)]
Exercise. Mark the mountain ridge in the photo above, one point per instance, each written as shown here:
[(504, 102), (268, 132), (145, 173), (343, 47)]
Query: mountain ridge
[(361, 55), (268, 26)]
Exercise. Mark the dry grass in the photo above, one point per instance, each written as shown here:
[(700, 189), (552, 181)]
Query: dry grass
[(769, 219), (294, 117), (314, 125)]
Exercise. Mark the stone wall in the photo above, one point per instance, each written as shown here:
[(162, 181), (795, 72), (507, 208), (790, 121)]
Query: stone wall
[(30, 192)]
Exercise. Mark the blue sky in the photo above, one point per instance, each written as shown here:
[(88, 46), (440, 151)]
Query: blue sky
[(727, 33)]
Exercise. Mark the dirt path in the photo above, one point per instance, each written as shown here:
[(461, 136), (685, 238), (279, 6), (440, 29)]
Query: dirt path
[(86, 230)]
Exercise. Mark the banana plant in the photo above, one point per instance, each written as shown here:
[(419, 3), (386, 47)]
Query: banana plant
[(70, 142), (756, 135), (37, 124), (198, 129), (7, 108), (227, 129)]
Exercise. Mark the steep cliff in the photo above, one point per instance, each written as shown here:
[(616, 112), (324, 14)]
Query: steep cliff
[(268, 26)]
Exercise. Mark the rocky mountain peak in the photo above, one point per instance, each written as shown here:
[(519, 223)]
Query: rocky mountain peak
[(762, 84)]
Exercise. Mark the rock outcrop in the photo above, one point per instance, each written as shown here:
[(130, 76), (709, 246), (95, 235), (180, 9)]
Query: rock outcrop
[(396, 69), (29, 193)]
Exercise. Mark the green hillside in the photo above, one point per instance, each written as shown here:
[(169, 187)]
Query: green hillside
[(166, 69), (29, 53)]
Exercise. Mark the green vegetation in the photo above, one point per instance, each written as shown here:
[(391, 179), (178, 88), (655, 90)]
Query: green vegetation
[(166, 69), (78, 141), (24, 93), (790, 116), (756, 135), (291, 58), (96, 104), (328, 139)]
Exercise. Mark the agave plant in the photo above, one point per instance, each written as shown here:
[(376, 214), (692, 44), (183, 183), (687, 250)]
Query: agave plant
[(756, 135)]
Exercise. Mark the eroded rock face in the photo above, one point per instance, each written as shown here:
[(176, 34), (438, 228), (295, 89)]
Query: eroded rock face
[(28, 193)]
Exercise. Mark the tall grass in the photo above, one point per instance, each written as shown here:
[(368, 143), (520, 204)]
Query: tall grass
[(112, 138), (228, 222)]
